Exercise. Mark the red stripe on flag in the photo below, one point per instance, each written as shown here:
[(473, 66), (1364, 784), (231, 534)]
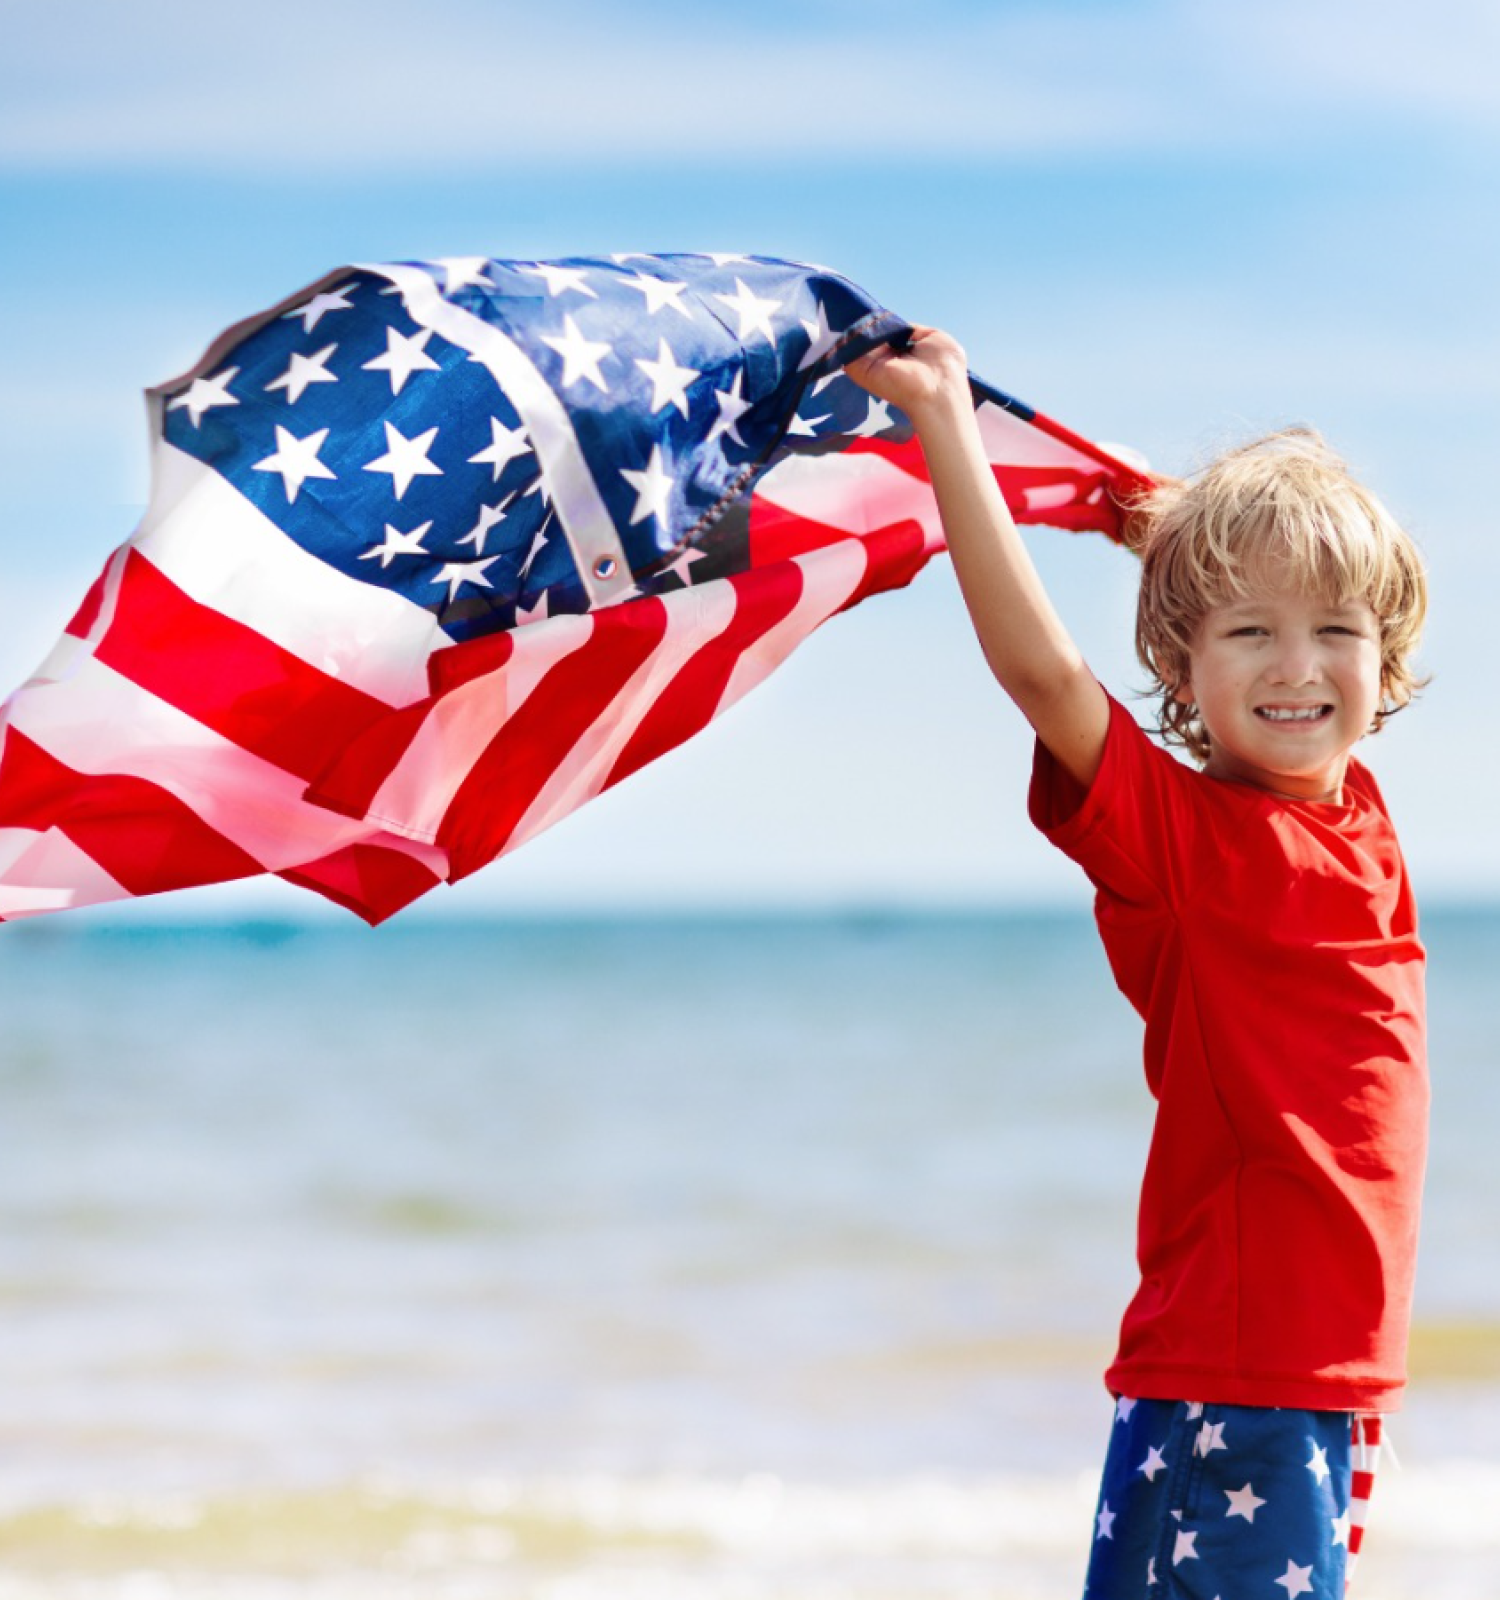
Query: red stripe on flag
[(459, 664), (88, 613), (146, 839), (1097, 483), (229, 677), (371, 880), (906, 454), (515, 766), (777, 534), (1087, 508), (895, 555), (762, 599), (349, 783)]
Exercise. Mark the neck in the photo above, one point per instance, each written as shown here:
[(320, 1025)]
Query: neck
[(1319, 787)]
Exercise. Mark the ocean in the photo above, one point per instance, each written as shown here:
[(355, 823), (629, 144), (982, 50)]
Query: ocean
[(724, 1258)]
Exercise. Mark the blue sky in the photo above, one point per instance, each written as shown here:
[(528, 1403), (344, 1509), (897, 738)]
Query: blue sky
[(1166, 224)]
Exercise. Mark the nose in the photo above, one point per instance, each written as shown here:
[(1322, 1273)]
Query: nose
[(1295, 662)]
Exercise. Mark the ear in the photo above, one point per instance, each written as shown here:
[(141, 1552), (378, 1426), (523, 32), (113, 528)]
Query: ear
[(1183, 693)]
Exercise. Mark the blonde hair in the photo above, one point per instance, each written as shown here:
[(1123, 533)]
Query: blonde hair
[(1284, 502)]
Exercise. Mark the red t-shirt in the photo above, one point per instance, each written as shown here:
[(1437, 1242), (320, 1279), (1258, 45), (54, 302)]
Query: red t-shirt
[(1271, 947)]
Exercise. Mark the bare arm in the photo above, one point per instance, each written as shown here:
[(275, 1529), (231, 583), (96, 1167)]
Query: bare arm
[(1023, 639)]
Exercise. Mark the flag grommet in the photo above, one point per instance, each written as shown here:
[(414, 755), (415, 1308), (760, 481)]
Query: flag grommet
[(605, 567)]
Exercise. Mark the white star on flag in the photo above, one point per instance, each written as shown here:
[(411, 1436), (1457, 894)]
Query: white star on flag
[(754, 313), (1105, 1523), (405, 458), (807, 427), (823, 339), (1296, 1580), (1341, 1525), (659, 292), (652, 488), (1210, 1438), (457, 573), (296, 460), (206, 393), (724, 260), (1123, 1407), (1243, 1503), (404, 355), (537, 542), (732, 406), (505, 445), (877, 420), (1183, 1550), (581, 356), (461, 271), (562, 280), (303, 370), (1155, 1462), (1318, 1464), (669, 382), (488, 517), (398, 544), (320, 305), (679, 567), (1194, 1410)]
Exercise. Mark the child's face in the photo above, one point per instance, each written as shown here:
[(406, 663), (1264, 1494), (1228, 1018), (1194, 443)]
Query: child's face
[(1286, 685)]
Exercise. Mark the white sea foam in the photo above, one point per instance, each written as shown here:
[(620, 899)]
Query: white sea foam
[(594, 1535)]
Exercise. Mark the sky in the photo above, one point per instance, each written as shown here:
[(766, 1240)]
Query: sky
[(1170, 223)]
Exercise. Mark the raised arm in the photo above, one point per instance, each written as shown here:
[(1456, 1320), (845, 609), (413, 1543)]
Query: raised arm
[(1028, 649)]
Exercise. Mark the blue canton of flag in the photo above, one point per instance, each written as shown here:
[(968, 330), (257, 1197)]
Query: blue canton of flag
[(500, 441)]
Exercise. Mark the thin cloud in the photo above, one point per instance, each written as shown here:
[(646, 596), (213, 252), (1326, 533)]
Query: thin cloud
[(341, 88)]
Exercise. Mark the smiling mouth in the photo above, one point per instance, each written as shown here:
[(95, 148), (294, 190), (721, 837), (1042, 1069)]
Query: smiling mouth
[(1293, 714)]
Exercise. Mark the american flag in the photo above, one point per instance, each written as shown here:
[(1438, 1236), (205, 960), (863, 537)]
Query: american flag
[(436, 551)]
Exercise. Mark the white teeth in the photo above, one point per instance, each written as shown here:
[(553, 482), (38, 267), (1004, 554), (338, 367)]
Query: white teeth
[(1305, 714)]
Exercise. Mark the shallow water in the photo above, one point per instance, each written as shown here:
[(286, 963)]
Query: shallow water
[(714, 1257)]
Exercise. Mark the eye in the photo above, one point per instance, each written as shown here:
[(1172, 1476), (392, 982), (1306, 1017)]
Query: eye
[(1251, 630)]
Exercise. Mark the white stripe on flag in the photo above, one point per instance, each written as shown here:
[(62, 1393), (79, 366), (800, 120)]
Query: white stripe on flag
[(857, 493), (1044, 496), (224, 552), (415, 797), (1011, 441), (102, 723), (586, 522), (62, 660), (43, 870), (829, 576), (694, 616)]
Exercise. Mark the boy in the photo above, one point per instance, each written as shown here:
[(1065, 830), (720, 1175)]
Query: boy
[(1257, 914)]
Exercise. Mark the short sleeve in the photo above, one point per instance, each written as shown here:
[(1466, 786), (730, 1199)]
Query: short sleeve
[(1132, 829)]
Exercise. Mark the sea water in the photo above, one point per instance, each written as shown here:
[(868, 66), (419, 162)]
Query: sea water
[(678, 1257)]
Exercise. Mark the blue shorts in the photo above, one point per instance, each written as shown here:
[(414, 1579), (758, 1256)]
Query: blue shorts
[(1211, 1502)]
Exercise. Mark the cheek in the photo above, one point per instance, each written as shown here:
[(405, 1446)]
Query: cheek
[(1371, 676)]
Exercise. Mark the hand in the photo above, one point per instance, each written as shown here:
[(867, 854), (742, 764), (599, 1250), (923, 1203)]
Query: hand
[(932, 365)]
